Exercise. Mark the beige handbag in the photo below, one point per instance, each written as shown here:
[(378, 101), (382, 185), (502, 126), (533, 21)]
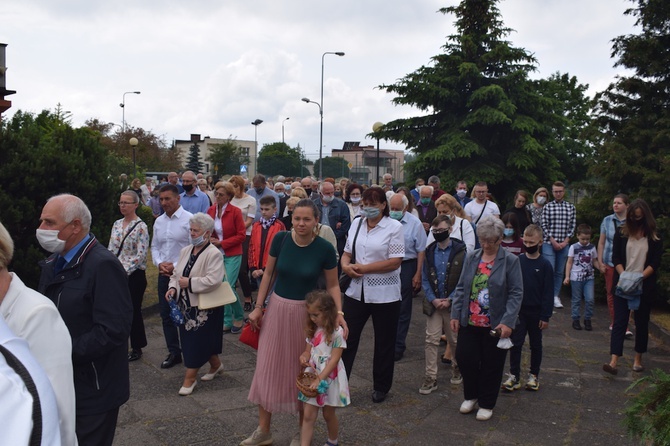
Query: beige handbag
[(222, 295)]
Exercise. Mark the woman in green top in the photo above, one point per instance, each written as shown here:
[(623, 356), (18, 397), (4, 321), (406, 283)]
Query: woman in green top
[(299, 256)]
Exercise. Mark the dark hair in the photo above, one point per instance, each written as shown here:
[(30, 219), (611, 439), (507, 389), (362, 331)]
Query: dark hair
[(624, 198), (170, 188), (647, 224), (268, 200), (441, 218), (326, 305), (510, 217), (378, 196), (350, 189), (308, 203), (584, 229)]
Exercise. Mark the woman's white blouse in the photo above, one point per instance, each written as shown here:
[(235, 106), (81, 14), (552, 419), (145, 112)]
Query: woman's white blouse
[(384, 241)]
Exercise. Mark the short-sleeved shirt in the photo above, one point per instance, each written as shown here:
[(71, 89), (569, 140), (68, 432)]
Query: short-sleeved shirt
[(299, 268), (474, 210), (582, 264), (608, 228), (247, 205)]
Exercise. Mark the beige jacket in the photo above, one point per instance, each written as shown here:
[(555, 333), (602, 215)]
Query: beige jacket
[(206, 274)]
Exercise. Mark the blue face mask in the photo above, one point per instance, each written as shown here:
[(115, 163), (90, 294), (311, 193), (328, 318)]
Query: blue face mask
[(370, 212), (508, 232), (396, 215)]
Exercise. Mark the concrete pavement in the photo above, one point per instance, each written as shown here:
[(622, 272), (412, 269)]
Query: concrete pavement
[(577, 403)]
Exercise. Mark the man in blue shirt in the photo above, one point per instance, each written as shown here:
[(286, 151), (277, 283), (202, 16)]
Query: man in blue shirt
[(193, 199), (410, 269), (259, 191)]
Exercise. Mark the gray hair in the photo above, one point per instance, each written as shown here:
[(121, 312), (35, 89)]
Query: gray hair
[(432, 189), (405, 201), (202, 221), (134, 197), (6, 247), (74, 208), (280, 179), (490, 228), (280, 183), (434, 179)]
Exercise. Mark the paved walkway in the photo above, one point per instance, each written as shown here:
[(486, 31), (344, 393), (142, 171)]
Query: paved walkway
[(577, 403)]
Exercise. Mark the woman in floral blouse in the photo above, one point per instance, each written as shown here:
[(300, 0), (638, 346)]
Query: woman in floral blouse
[(129, 241)]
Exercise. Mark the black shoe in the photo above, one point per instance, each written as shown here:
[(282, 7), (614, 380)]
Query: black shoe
[(398, 356), (171, 361), (446, 360), (587, 325), (576, 325), (247, 306), (378, 396), (134, 355)]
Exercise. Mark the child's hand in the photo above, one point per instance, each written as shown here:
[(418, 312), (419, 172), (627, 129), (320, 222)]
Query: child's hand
[(304, 360), (566, 281), (315, 383)]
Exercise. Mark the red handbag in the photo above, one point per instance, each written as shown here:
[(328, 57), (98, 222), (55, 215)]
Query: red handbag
[(249, 336)]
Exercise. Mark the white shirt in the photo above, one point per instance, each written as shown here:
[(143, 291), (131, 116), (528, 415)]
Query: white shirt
[(146, 193), (171, 234), (33, 317), (16, 410), (466, 234), (384, 241), (247, 205), (474, 209)]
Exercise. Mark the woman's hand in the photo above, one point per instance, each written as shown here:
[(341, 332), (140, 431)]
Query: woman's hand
[(171, 293), (352, 270), (342, 323), (255, 318), (215, 241), (505, 331), (183, 282)]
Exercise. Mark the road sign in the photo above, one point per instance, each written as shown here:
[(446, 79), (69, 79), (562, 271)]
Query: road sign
[(349, 165)]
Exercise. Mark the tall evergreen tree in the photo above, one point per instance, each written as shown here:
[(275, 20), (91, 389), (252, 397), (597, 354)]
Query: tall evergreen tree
[(193, 162), (227, 158), (633, 114), (484, 119)]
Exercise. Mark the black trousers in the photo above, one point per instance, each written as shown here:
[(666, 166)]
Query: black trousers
[(137, 283), (407, 272), (243, 276), (385, 324), (641, 316), (481, 364), (170, 330), (529, 323), (98, 429)]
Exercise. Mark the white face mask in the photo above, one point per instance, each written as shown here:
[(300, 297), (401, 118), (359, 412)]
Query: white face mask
[(355, 200), (197, 241), (48, 239), (541, 200)]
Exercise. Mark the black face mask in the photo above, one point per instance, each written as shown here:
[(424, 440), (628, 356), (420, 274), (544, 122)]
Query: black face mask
[(259, 190), (187, 187), (532, 249), (441, 236), (338, 193)]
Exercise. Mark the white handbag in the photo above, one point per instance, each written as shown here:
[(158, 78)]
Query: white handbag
[(222, 295)]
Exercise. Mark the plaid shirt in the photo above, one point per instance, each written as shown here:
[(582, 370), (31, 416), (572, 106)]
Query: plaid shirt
[(558, 220)]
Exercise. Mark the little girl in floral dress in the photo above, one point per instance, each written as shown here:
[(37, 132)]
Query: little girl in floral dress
[(323, 353)]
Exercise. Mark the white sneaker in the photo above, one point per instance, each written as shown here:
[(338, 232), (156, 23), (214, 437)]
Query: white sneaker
[(295, 441), (468, 406), (258, 438), (484, 414), (557, 302)]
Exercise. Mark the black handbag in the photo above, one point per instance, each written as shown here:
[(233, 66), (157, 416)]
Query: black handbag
[(344, 279)]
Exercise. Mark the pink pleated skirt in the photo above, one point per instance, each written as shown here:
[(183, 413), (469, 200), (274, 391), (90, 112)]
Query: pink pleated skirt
[(281, 342)]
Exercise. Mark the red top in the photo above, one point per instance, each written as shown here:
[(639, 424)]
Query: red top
[(234, 232)]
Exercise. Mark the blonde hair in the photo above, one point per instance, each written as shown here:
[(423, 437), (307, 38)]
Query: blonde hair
[(6, 247)]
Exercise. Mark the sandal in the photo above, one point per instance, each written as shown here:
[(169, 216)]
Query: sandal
[(609, 369), (638, 368), (328, 443)]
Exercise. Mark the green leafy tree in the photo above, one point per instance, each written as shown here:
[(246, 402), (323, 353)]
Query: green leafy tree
[(227, 158), (483, 118), (279, 158), (41, 156), (333, 166), (193, 162)]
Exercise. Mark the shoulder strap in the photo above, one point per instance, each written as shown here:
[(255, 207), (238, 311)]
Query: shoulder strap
[(126, 236), (353, 246), (482, 212), (20, 369)]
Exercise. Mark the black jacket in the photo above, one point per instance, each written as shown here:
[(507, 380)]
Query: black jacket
[(654, 254), (92, 296)]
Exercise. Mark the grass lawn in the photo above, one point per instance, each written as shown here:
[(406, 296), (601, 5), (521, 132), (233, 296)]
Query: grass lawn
[(150, 294)]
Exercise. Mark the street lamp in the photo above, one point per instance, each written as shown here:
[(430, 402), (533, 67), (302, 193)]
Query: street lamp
[(309, 101), (376, 128), (133, 143), (282, 129), (256, 123), (337, 53), (123, 107)]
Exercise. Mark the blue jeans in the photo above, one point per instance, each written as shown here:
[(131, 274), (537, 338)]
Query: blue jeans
[(582, 289), (557, 260)]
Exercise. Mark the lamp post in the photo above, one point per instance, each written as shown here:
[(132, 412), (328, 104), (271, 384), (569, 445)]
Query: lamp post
[(309, 101), (133, 143), (256, 123), (123, 107), (376, 128), (282, 129), (337, 53)]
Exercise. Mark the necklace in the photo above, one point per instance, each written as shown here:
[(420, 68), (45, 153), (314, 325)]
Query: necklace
[(294, 236)]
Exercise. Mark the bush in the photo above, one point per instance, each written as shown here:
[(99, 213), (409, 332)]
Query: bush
[(647, 414)]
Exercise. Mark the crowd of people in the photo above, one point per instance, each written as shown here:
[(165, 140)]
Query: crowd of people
[(325, 257)]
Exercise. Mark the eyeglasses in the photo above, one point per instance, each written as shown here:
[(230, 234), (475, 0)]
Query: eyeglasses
[(440, 230), (126, 203)]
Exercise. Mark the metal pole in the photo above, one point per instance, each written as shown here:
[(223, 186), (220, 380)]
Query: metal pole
[(338, 53), (377, 179)]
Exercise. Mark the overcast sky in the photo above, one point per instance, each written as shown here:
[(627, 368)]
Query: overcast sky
[(212, 66)]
